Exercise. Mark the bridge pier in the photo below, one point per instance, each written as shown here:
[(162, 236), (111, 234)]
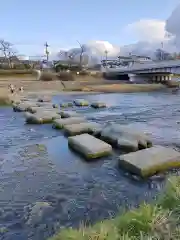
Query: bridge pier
[(161, 78), (144, 78)]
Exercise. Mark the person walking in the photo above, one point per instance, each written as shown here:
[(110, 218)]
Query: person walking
[(21, 89), (12, 88)]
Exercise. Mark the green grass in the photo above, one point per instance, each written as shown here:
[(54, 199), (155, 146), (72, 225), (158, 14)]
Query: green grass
[(15, 71), (18, 73), (5, 101), (157, 221)]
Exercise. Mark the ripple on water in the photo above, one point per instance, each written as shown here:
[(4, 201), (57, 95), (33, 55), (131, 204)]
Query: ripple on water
[(36, 165)]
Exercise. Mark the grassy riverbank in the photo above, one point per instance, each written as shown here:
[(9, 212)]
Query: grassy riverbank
[(159, 220), (5, 99)]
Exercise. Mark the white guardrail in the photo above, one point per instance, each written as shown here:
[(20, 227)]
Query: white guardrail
[(145, 66)]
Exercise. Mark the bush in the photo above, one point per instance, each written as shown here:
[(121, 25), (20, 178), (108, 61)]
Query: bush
[(15, 71), (84, 73), (98, 75), (47, 76), (65, 76)]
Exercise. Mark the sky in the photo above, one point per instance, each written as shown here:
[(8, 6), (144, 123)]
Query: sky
[(29, 24)]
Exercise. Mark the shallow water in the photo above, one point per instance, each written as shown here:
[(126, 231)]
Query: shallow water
[(36, 165)]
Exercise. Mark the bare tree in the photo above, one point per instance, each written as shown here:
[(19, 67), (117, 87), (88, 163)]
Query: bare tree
[(81, 54), (8, 52)]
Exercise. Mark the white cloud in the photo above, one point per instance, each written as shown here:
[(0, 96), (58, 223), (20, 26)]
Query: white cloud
[(150, 33), (99, 47), (148, 29), (172, 26)]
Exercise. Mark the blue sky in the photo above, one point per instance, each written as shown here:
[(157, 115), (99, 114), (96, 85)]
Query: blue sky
[(28, 24)]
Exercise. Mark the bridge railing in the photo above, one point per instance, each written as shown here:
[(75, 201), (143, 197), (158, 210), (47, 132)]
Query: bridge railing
[(145, 66)]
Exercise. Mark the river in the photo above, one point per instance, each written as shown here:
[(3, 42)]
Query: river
[(36, 165)]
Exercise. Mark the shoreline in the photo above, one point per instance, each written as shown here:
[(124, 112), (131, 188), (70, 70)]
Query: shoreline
[(157, 220), (50, 89)]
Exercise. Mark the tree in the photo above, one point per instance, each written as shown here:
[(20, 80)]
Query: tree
[(81, 54), (8, 52)]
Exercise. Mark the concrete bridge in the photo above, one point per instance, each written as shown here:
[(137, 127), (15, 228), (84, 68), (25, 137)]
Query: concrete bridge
[(142, 72)]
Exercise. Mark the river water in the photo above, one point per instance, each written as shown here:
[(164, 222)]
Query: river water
[(36, 165)]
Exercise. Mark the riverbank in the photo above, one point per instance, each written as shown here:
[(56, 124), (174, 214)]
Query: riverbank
[(159, 220), (80, 86), (126, 88)]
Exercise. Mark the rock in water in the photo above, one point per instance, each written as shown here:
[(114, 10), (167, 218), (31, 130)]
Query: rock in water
[(148, 162), (89, 146), (81, 102), (98, 105), (60, 123), (35, 213), (67, 114), (79, 128), (66, 104), (41, 117), (24, 106), (124, 137)]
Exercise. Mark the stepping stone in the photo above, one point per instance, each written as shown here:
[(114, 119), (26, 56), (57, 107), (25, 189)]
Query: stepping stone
[(40, 109), (66, 104), (47, 104), (44, 99), (81, 102), (127, 144), (98, 105), (41, 117), (148, 162), (124, 136), (67, 114), (22, 107), (60, 123), (79, 128), (89, 146)]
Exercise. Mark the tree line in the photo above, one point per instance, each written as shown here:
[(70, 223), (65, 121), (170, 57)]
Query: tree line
[(9, 57)]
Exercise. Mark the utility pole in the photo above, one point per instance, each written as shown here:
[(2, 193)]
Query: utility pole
[(162, 51), (106, 56), (46, 51)]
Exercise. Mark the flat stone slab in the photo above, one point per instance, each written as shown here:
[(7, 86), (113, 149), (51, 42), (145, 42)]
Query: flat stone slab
[(66, 104), (79, 128), (67, 114), (22, 107), (123, 136), (47, 104), (81, 102), (98, 105), (60, 123), (128, 144), (41, 117), (150, 161), (89, 146), (40, 109)]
